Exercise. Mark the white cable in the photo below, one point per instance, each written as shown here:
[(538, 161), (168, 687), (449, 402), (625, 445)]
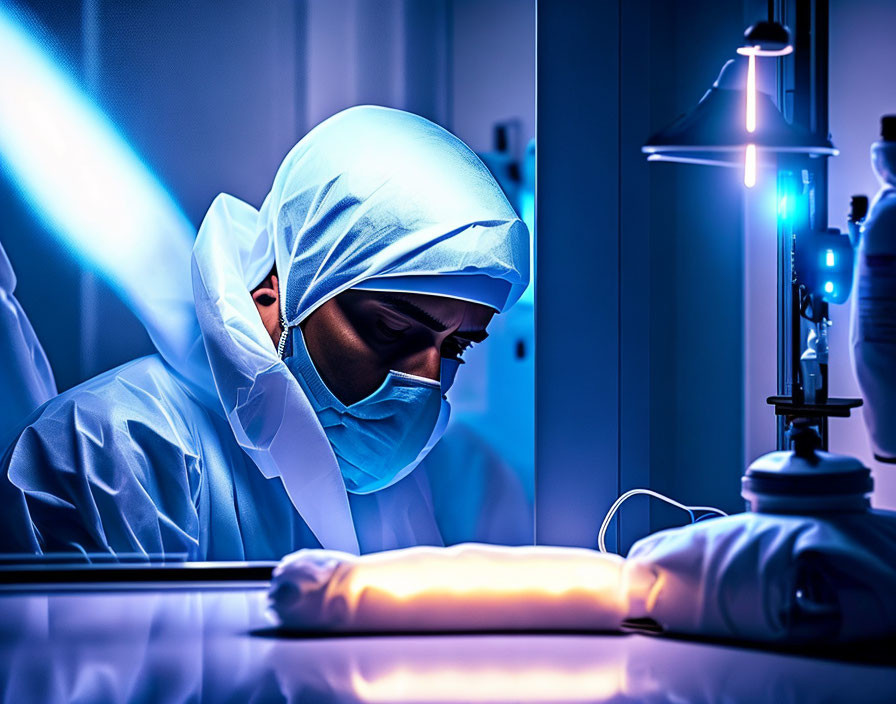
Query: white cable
[(632, 492)]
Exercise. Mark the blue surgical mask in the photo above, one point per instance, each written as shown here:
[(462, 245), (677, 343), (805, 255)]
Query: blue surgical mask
[(382, 437)]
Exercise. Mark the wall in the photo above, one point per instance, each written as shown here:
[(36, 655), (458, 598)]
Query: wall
[(492, 68), (639, 320), (394, 52), (862, 89), (577, 220), (697, 231)]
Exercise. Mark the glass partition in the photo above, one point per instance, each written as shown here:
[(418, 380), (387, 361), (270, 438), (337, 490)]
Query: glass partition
[(148, 418)]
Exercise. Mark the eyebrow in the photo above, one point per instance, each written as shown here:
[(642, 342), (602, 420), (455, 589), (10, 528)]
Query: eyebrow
[(416, 313), (407, 308)]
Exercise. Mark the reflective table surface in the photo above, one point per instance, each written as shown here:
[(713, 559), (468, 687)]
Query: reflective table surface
[(216, 645)]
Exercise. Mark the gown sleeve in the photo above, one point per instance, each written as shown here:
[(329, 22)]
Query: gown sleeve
[(26, 379), (105, 468)]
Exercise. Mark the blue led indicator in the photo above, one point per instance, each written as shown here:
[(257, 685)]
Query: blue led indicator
[(829, 257), (829, 287)]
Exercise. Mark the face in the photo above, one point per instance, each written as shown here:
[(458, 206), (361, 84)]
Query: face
[(358, 337)]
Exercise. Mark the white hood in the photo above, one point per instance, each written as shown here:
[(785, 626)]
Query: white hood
[(370, 193)]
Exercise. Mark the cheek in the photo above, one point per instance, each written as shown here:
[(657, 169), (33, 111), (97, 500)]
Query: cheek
[(344, 360)]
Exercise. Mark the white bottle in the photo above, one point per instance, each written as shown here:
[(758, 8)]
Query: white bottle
[(873, 327), (810, 370)]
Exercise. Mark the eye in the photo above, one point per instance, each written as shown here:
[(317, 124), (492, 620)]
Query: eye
[(389, 331)]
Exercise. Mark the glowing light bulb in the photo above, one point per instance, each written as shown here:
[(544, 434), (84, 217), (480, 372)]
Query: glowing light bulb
[(750, 166), (751, 94)]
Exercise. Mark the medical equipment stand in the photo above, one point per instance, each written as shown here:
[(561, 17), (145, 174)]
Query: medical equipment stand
[(803, 91)]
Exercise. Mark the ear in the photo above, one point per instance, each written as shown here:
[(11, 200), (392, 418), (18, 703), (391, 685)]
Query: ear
[(267, 293), (267, 301)]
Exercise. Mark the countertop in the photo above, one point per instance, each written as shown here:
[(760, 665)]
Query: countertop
[(216, 644)]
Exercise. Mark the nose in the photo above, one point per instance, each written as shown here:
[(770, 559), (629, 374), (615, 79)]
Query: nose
[(425, 363)]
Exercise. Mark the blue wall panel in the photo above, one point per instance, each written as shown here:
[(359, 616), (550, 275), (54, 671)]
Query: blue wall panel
[(577, 331)]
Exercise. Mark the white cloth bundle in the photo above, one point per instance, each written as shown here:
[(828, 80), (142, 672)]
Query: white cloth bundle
[(467, 587), (751, 576)]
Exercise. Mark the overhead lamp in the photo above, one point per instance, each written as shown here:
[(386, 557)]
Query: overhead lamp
[(766, 39), (735, 124)]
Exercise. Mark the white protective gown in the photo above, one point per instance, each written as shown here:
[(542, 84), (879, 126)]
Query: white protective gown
[(216, 453), (873, 318), (25, 375)]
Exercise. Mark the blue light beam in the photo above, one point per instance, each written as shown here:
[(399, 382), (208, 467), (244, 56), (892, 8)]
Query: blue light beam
[(90, 189)]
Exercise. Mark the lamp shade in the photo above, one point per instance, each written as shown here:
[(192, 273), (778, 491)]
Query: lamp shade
[(766, 39), (714, 132)]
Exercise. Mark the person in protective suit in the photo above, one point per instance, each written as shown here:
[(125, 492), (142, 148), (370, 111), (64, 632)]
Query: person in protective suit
[(329, 326)]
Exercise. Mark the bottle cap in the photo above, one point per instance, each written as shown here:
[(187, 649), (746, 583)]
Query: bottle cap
[(858, 208), (888, 128), (806, 480)]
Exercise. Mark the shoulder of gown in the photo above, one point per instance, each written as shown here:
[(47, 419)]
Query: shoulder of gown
[(111, 465)]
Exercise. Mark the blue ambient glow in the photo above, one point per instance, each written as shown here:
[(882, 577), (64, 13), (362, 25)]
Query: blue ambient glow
[(782, 207), (87, 185)]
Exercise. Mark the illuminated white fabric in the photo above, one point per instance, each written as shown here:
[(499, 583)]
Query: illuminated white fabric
[(767, 577), (467, 587), (751, 576)]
